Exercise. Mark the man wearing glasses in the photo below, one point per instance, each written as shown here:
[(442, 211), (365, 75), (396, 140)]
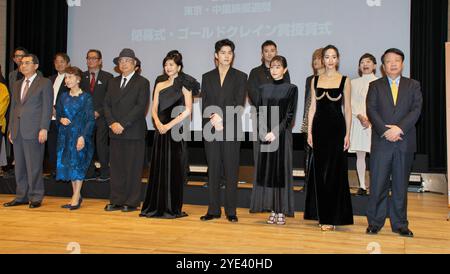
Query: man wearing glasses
[(125, 109), (14, 76), (31, 112), (95, 81)]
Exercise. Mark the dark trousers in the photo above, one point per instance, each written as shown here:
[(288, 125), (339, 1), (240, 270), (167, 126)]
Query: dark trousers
[(51, 145), (127, 160), (383, 164), (29, 157), (102, 149), (223, 159)]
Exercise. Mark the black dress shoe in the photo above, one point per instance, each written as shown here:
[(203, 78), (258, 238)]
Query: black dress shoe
[(404, 232), (233, 219), (361, 192), (372, 229), (129, 208), (113, 207), (14, 203), (103, 179), (209, 217), (35, 205)]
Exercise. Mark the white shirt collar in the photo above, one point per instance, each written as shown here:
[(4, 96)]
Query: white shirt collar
[(129, 76), (31, 78)]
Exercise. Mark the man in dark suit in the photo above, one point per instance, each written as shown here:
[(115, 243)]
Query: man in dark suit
[(95, 81), (125, 109), (61, 62), (31, 111), (394, 104), (222, 88)]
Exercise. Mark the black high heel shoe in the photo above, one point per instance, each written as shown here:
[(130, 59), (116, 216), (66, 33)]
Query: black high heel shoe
[(77, 206)]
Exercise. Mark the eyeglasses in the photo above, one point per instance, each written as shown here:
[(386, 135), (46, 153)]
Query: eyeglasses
[(27, 63), (92, 58), (19, 56), (125, 60)]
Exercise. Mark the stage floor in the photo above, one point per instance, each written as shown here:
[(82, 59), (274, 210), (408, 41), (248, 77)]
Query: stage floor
[(50, 229)]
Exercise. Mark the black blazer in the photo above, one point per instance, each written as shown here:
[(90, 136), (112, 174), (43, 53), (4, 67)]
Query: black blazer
[(232, 93), (128, 107), (382, 111), (101, 86), (62, 88)]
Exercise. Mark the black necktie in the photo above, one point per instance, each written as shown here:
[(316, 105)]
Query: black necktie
[(124, 83)]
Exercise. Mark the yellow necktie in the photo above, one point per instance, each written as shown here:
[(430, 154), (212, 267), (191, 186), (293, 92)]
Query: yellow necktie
[(394, 90)]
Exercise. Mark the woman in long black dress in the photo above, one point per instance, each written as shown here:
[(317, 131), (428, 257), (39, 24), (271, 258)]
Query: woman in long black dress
[(318, 69), (172, 105), (273, 187), (328, 197)]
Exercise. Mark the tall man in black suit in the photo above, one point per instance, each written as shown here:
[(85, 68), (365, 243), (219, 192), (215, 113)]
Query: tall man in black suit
[(95, 81), (31, 111), (394, 104), (61, 62), (125, 109), (222, 88)]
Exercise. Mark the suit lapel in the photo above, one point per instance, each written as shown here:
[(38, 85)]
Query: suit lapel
[(128, 87), (389, 91), (17, 91), (225, 88), (401, 90)]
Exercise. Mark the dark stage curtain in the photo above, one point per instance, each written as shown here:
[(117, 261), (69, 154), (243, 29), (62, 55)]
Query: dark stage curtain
[(39, 26), (429, 26)]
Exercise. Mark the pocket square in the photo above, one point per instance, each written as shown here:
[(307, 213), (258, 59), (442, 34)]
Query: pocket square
[(99, 82)]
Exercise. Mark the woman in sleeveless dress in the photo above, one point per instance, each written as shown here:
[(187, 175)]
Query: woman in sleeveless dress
[(328, 197), (172, 107)]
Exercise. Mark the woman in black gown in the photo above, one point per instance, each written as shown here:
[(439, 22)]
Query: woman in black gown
[(328, 197), (172, 106), (273, 187)]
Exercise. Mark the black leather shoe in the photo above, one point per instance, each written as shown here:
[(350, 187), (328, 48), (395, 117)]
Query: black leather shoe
[(233, 219), (75, 207), (113, 207), (14, 203), (361, 192), (404, 232), (103, 179), (35, 205), (129, 208), (372, 229), (209, 217)]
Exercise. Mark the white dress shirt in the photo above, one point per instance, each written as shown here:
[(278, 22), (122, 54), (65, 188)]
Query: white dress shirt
[(25, 83), (128, 79)]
